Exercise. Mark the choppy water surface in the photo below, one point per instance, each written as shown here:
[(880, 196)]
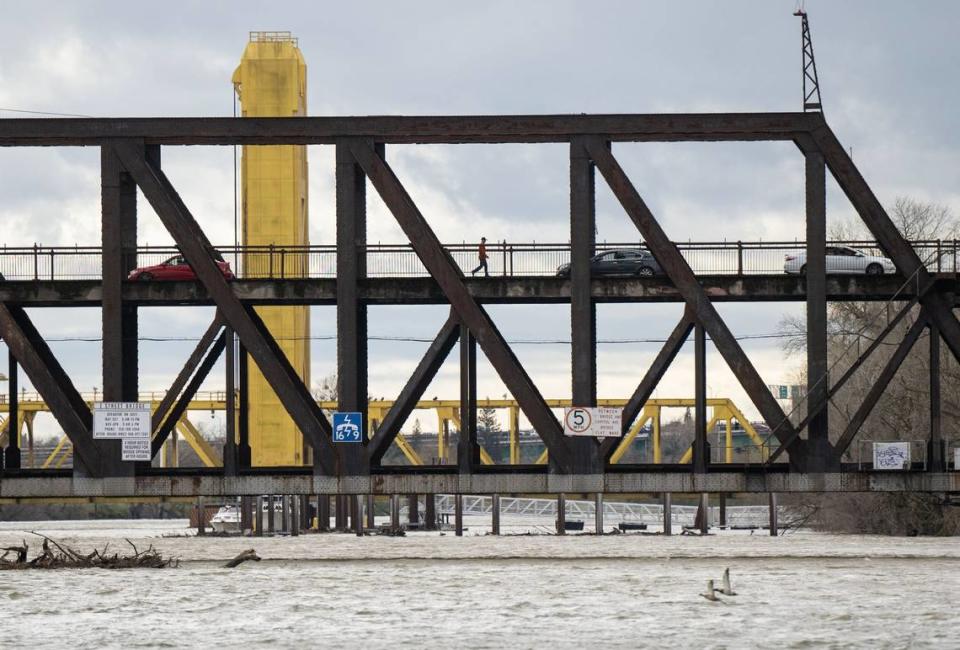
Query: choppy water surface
[(429, 590)]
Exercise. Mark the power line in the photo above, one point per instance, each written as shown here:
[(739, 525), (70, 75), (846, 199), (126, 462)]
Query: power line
[(29, 112)]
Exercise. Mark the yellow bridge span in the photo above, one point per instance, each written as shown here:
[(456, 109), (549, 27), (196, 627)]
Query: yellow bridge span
[(722, 410)]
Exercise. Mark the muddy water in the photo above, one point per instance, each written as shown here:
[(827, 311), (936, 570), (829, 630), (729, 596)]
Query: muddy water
[(431, 590)]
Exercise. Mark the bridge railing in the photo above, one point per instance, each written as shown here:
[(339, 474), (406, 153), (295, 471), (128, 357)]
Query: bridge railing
[(508, 259)]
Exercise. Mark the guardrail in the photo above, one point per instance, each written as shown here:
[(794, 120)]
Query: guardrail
[(739, 258)]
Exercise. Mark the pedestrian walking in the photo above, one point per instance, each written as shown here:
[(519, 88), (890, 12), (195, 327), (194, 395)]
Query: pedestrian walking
[(482, 254)]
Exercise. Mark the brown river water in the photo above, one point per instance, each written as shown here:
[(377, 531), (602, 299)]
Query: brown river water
[(479, 591)]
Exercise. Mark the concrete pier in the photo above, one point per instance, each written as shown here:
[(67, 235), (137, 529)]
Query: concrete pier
[(258, 518), (356, 512), (201, 517), (371, 511), (295, 510), (271, 523), (704, 513), (395, 511), (323, 512), (723, 510), (495, 514)]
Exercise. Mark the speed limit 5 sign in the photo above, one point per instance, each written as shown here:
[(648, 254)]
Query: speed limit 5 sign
[(599, 422)]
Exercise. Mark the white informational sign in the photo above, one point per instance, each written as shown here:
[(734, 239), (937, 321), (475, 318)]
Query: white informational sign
[(602, 422), (136, 449), (891, 455), (121, 420)]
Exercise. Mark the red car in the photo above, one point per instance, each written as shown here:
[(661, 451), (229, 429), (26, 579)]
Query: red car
[(175, 268)]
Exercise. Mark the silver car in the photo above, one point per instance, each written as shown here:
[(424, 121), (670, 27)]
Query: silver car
[(841, 259)]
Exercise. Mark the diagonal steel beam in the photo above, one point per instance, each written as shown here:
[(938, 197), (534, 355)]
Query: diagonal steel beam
[(694, 295), (196, 248), (186, 372), (881, 382), (406, 402), (816, 408), (445, 271), (52, 382), (183, 402), (650, 380), (938, 308)]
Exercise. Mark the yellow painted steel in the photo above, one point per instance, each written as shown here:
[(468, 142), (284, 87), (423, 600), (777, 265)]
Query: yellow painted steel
[(205, 452), (271, 81), (723, 410)]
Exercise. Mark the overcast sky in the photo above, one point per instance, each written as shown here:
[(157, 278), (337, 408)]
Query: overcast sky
[(886, 69)]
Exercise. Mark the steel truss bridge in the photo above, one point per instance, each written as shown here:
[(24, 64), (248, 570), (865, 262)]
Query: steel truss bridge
[(803, 456)]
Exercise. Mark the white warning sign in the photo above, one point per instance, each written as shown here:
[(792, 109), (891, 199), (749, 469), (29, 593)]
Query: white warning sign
[(598, 422), (136, 449), (121, 420)]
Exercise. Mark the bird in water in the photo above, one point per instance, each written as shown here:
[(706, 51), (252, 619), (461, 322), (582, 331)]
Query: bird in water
[(710, 593), (726, 589)]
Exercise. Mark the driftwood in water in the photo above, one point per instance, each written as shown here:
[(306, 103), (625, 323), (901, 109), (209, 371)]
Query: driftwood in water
[(64, 557), (249, 554)]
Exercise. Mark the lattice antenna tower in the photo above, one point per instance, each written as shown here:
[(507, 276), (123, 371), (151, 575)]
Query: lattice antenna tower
[(811, 85)]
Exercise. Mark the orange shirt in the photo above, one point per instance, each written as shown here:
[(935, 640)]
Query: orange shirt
[(482, 251)]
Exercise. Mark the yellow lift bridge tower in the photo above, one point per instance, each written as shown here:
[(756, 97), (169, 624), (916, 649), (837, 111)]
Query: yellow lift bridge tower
[(271, 81)]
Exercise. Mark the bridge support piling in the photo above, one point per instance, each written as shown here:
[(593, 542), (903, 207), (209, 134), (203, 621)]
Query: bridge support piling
[(356, 513), (201, 517), (371, 511), (395, 511), (495, 514), (271, 519), (295, 515), (598, 513), (703, 514), (339, 513), (458, 514), (323, 513), (561, 514), (430, 507), (667, 514), (258, 518), (285, 513), (413, 510), (723, 509), (774, 523)]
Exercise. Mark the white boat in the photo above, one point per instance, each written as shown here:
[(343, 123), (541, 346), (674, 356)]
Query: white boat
[(227, 520)]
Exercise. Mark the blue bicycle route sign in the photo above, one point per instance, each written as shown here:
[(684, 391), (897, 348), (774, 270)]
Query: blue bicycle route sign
[(347, 426)]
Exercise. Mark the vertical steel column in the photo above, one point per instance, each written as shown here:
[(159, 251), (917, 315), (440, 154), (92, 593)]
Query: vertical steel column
[(118, 198), (561, 514), (430, 508), (774, 523), (340, 513), (243, 425), (819, 450), (351, 311), (285, 513), (258, 518), (468, 448), (598, 513), (936, 461), (723, 509), (230, 439), (11, 455), (583, 311), (495, 514), (413, 510), (701, 447), (458, 514), (667, 514), (271, 520)]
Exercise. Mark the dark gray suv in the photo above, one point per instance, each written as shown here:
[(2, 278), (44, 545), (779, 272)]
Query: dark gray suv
[(628, 261)]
